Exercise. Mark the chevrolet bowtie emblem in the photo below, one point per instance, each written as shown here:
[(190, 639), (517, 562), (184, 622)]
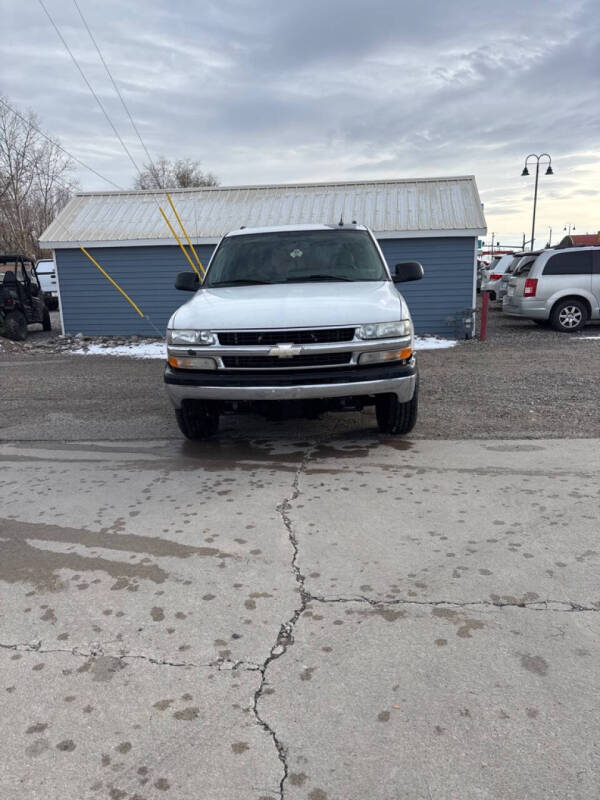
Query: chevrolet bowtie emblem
[(285, 351)]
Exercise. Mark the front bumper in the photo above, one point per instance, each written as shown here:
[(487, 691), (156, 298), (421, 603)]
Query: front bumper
[(293, 385)]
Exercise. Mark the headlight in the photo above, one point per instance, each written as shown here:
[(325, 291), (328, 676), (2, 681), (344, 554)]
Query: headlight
[(181, 336), (385, 330)]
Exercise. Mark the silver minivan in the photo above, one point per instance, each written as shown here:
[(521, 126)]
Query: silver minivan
[(490, 278), (560, 287)]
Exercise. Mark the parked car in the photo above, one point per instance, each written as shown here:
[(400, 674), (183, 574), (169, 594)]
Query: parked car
[(481, 266), (309, 315), (518, 261), (560, 287), (21, 298), (487, 269), (46, 272), (494, 273)]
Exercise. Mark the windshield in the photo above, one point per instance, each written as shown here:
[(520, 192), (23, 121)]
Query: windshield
[(296, 257)]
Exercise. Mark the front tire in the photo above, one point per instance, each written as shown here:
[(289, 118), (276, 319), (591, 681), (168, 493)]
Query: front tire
[(569, 316), (197, 419), (46, 322), (395, 417), (15, 326)]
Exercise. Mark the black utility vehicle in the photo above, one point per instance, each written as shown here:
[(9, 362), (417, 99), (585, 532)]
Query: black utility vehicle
[(21, 298)]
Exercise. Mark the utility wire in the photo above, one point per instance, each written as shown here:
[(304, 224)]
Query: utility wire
[(41, 133), (89, 85), (116, 88)]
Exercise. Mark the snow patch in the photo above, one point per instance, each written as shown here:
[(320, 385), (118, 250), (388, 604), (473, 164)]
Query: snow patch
[(433, 343), (142, 350)]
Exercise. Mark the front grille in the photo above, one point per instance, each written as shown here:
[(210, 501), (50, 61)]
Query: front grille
[(273, 362), (235, 338)]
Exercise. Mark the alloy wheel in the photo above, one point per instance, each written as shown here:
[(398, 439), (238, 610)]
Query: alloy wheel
[(570, 316)]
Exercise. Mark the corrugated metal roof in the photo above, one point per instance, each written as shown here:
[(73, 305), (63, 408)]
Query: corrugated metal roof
[(418, 207)]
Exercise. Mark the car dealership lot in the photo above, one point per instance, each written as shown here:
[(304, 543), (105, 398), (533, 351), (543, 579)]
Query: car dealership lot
[(303, 609)]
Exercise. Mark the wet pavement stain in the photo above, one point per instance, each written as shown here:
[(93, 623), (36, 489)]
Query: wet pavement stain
[(187, 714), (535, 664), (66, 746), (464, 623), (297, 778), (37, 748), (102, 668), (38, 727), (514, 448), (21, 561)]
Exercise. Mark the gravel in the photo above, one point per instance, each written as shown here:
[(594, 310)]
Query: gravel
[(524, 382)]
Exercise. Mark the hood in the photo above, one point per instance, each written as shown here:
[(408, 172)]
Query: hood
[(291, 305)]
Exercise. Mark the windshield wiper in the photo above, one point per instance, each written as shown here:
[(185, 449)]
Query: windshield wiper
[(308, 278), (239, 282)]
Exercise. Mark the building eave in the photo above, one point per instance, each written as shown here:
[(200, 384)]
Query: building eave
[(437, 234)]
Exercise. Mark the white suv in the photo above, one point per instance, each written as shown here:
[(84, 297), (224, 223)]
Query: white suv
[(306, 314), (46, 272)]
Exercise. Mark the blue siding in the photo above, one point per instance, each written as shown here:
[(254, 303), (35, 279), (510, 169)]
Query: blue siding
[(90, 304), (93, 306), (437, 301)]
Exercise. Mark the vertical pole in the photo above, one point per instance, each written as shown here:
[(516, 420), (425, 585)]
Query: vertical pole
[(550, 239), (537, 172), (523, 243), (485, 299)]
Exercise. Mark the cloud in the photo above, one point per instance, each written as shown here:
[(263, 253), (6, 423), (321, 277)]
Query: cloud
[(266, 91)]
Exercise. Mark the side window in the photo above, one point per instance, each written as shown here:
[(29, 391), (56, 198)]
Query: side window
[(570, 263), (596, 262)]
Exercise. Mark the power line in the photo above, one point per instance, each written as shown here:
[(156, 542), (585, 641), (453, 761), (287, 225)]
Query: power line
[(64, 150), (112, 80), (89, 85)]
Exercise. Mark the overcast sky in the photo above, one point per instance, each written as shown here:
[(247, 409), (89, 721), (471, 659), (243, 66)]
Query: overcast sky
[(274, 91)]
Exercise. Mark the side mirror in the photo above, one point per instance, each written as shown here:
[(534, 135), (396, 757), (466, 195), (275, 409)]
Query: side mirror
[(187, 282), (408, 271)]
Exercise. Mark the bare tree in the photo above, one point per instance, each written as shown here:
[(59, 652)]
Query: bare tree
[(182, 173), (35, 182)]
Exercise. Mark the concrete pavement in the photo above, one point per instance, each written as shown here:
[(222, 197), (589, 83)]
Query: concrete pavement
[(325, 619)]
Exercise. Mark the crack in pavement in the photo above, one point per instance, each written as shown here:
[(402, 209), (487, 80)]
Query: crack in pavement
[(98, 651), (285, 636), (532, 605)]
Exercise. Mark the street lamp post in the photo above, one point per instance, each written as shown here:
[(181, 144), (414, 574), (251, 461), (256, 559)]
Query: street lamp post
[(570, 226), (535, 191)]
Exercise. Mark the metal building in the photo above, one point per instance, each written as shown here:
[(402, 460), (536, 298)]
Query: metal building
[(434, 220)]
